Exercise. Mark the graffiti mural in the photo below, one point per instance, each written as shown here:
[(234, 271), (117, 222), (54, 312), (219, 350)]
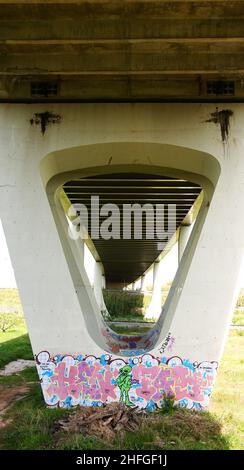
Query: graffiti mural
[(168, 344), (138, 381), (129, 345)]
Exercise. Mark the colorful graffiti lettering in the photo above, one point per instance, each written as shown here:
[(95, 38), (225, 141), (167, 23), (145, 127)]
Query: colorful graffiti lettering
[(126, 345), (168, 344), (140, 381)]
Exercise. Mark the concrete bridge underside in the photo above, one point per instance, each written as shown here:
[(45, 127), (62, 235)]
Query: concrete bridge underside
[(121, 50), (125, 260)]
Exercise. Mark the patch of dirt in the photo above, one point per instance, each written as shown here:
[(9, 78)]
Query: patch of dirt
[(16, 366), (4, 423), (103, 422), (8, 395)]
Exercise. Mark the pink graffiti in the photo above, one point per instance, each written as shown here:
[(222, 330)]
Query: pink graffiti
[(170, 345), (64, 385), (118, 343), (96, 381)]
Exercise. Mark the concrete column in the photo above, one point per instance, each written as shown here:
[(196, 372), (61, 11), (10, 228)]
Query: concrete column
[(155, 307), (79, 243), (142, 286), (98, 285), (103, 281), (57, 301), (184, 235)]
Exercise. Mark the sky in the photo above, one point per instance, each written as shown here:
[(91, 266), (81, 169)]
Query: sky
[(7, 278)]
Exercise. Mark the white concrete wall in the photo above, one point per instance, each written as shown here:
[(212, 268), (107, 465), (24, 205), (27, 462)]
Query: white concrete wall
[(205, 288)]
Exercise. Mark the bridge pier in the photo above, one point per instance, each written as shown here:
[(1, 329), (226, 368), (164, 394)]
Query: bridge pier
[(98, 285), (142, 282), (155, 306), (68, 336), (184, 235)]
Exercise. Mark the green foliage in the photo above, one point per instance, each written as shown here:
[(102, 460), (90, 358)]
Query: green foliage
[(11, 315), (240, 301), (133, 331), (227, 400), (168, 405), (10, 301), (16, 348), (7, 321), (27, 375), (181, 430), (146, 300), (79, 441), (124, 303), (238, 317)]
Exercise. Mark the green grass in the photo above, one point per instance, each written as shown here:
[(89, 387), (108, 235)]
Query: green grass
[(33, 424), (26, 376), (10, 301), (15, 344), (128, 318), (238, 317), (34, 427), (123, 303), (130, 331), (160, 432), (228, 398)]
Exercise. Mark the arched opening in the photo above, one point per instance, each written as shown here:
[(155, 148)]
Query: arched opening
[(182, 176)]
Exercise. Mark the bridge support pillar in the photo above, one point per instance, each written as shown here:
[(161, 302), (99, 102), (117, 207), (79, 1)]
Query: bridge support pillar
[(142, 285), (69, 337), (98, 285), (184, 235), (155, 306)]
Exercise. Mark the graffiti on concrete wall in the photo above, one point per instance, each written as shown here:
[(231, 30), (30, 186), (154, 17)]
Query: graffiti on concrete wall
[(128, 345), (168, 344), (138, 381)]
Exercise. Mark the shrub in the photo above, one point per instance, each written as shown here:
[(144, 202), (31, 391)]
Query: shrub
[(7, 321), (123, 303), (240, 301)]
